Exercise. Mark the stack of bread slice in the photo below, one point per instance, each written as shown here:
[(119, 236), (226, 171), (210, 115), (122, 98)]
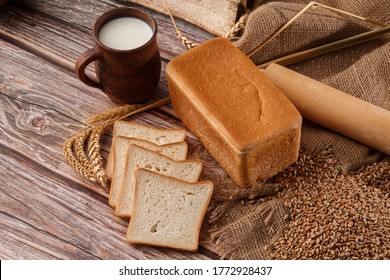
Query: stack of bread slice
[(154, 185)]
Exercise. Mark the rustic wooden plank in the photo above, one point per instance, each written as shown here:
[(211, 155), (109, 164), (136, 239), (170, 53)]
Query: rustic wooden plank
[(42, 105), (64, 22), (39, 115), (85, 12), (61, 44), (35, 219), (39, 131), (26, 77), (29, 78), (39, 134)]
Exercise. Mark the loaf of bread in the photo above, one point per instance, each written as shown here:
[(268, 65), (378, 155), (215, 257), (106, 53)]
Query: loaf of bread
[(242, 119), (168, 212), (175, 151), (137, 157), (142, 132)]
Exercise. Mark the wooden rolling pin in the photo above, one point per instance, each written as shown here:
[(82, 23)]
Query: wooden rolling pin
[(334, 109)]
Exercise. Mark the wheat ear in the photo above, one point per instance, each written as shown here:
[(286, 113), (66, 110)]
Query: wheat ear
[(72, 160), (183, 39), (78, 147), (90, 163), (96, 168), (237, 26), (70, 157)]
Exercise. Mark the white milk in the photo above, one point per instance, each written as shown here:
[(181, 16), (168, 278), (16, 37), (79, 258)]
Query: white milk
[(125, 33)]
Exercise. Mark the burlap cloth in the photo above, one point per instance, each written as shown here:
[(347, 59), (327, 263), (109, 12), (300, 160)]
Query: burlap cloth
[(243, 225)]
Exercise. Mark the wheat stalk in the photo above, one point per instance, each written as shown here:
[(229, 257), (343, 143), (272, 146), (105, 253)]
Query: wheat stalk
[(183, 39), (112, 114), (189, 44)]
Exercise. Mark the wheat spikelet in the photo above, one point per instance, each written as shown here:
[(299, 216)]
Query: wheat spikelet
[(94, 146), (78, 146), (95, 159), (72, 160), (89, 165), (185, 41), (237, 26), (69, 155)]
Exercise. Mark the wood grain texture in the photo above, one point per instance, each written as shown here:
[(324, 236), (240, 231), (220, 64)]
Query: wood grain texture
[(83, 14), (47, 210), (36, 219), (61, 43)]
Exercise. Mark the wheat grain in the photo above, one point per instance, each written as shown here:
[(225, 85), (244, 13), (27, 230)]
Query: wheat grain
[(334, 215)]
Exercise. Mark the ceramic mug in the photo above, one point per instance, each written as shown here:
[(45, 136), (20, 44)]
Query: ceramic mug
[(126, 75)]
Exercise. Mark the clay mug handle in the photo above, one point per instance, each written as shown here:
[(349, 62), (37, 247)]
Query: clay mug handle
[(84, 60)]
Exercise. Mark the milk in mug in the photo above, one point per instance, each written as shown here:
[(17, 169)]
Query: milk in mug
[(125, 33)]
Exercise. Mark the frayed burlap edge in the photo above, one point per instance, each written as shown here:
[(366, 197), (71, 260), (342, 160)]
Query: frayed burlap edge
[(267, 219)]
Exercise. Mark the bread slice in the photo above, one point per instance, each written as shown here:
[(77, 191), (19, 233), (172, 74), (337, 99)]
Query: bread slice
[(175, 151), (168, 212), (158, 136), (137, 157)]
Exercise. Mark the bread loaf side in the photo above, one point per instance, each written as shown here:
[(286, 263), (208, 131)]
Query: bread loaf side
[(243, 120)]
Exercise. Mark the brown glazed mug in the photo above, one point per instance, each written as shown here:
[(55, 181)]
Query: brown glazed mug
[(126, 76)]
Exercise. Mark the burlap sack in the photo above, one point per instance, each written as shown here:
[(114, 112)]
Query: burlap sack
[(362, 71)]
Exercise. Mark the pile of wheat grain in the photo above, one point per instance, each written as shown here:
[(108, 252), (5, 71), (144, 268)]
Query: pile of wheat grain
[(334, 215)]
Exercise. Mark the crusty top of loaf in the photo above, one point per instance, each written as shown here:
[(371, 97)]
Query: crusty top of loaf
[(232, 92)]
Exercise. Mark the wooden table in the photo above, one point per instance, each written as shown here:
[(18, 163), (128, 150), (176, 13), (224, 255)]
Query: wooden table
[(48, 211)]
